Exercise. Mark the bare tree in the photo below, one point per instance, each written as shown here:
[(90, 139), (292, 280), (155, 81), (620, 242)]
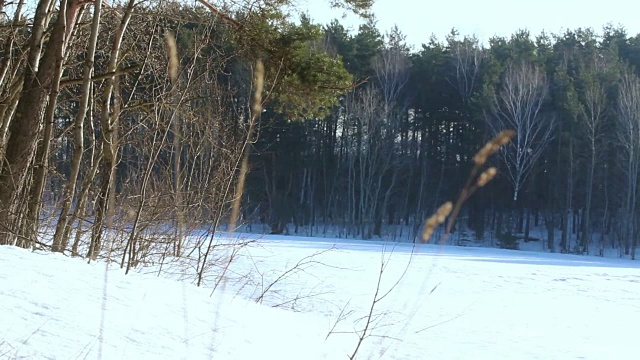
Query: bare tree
[(391, 68), (10, 68), (370, 156), (593, 110), (256, 109), (518, 106), (40, 83), (109, 120), (629, 138), (467, 56), (63, 227)]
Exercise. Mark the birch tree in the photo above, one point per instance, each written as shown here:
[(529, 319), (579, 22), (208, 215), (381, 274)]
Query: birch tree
[(629, 138), (593, 113), (467, 57), (518, 106), (391, 68)]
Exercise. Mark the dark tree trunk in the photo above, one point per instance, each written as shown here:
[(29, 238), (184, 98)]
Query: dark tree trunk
[(551, 231), (527, 225), (25, 127)]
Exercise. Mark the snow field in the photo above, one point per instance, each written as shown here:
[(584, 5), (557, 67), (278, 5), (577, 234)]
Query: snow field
[(449, 303)]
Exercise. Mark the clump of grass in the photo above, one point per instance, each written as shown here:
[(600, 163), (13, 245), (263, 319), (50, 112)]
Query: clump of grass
[(474, 182)]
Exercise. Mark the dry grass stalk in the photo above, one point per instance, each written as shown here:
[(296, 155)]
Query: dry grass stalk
[(470, 187), (172, 52), (486, 176), (436, 219)]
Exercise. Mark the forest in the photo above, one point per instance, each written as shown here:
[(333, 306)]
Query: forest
[(160, 120)]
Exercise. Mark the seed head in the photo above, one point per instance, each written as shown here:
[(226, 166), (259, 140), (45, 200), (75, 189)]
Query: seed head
[(487, 176), (172, 50)]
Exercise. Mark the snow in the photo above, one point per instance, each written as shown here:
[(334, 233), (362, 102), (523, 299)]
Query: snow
[(60, 308), (447, 303)]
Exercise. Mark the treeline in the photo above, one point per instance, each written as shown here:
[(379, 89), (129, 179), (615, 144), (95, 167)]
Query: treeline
[(128, 127), (123, 127), (401, 143)]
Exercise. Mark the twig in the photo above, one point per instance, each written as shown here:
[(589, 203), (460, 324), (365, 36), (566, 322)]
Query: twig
[(444, 321)]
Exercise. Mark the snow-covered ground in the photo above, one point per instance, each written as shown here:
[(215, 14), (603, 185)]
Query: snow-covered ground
[(282, 296)]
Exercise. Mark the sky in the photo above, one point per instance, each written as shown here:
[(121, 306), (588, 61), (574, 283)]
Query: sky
[(418, 19)]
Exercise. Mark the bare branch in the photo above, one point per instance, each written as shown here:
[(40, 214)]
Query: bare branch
[(518, 106)]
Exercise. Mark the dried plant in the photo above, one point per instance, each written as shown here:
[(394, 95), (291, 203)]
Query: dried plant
[(436, 219), (172, 50)]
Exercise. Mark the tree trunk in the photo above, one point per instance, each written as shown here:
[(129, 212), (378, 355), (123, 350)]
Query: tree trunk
[(605, 216), (61, 235), (256, 109), (81, 207), (521, 215), (27, 121), (110, 136), (586, 219), (178, 187), (565, 242), (527, 224), (40, 172), (499, 225), (551, 232), (634, 242)]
